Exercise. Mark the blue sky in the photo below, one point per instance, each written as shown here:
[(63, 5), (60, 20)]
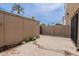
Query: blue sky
[(44, 12)]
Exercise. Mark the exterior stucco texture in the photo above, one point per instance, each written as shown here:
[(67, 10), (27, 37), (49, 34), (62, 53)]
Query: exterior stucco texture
[(13, 28)]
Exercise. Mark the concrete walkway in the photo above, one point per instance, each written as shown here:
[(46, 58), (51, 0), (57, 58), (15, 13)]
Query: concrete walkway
[(44, 46)]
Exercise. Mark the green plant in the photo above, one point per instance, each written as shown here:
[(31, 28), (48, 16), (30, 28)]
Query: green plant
[(29, 39), (25, 39), (33, 17), (32, 38), (58, 24), (37, 37)]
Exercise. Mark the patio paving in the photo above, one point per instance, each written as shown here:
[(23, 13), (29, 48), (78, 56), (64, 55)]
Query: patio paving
[(44, 46)]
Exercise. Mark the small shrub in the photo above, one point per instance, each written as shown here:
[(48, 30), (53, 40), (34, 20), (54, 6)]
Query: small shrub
[(32, 38), (37, 37), (26, 40), (29, 39)]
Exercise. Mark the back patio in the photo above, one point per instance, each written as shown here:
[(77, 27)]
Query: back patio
[(44, 46)]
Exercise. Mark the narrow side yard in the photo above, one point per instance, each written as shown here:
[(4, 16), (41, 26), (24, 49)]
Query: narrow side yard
[(44, 46)]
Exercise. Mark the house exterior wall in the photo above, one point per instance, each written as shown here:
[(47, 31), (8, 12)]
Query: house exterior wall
[(71, 8), (58, 30), (13, 28)]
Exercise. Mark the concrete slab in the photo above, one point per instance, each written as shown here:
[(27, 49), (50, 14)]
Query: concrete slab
[(44, 46)]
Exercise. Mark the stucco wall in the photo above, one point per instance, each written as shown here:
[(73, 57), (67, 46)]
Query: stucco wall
[(13, 28), (71, 8), (58, 30), (1, 30), (31, 30)]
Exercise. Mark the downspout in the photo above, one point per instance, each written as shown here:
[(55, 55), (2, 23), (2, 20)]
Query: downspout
[(65, 8)]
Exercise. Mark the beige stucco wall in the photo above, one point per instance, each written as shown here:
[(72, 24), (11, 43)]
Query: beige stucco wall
[(36, 29), (1, 30), (71, 8), (58, 30), (31, 30), (13, 28)]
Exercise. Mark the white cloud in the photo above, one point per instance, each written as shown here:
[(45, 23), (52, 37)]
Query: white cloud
[(46, 7), (46, 11)]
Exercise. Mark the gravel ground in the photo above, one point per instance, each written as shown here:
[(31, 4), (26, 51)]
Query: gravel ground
[(44, 46)]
